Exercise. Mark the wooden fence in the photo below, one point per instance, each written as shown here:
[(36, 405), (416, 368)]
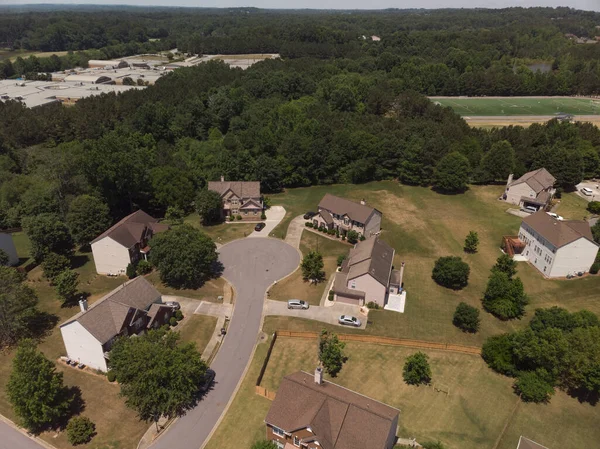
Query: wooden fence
[(262, 391)]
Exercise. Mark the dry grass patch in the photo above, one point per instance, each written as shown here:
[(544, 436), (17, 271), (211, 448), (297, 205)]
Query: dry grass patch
[(211, 289), (197, 329)]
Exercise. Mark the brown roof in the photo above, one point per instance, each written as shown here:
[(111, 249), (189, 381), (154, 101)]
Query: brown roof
[(251, 204), (538, 180), (338, 418), (342, 206), (559, 233), (243, 189), (340, 286), (130, 230), (107, 316), (326, 216), (526, 443), (371, 256)]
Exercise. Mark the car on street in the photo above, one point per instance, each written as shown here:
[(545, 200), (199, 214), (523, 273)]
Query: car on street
[(349, 320), (209, 377), (259, 227), (587, 191), (297, 304), (553, 215), (173, 304), (309, 215)]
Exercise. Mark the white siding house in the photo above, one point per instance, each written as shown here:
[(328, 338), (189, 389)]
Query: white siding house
[(557, 248), (8, 246), (110, 256), (82, 346)]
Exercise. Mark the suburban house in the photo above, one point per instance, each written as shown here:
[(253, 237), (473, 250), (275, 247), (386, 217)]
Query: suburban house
[(241, 198), (129, 309), (345, 215), (533, 189), (367, 274), (310, 413), (8, 246), (124, 243), (557, 248), (526, 443)]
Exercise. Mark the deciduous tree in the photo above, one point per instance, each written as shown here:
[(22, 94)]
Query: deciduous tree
[(54, 264), (47, 235), (80, 430), (506, 264), (331, 353), (451, 272), (209, 205), (66, 285), (312, 266), (452, 173), (504, 297), (87, 218), (17, 306), (466, 317), (416, 369)]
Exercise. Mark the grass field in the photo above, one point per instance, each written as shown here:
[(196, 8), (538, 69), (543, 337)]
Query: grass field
[(223, 232), (507, 106)]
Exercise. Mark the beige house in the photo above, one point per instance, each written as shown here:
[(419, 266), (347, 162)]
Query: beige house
[(557, 248), (124, 243), (310, 413), (367, 275), (128, 310), (239, 198), (345, 215), (533, 189)]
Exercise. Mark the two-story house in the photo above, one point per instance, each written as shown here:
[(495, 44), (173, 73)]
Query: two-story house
[(533, 189), (241, 198), (557, 248), (124, 243), (129, 309), (310, 413), (367, 274), (345, 215)]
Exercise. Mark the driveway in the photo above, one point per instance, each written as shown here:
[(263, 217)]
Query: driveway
[(294, 231), (594, 186), (274, 216), (328, 315), (251, 266)]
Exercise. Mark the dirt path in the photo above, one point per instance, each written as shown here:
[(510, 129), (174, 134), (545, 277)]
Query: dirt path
[(522, 120)]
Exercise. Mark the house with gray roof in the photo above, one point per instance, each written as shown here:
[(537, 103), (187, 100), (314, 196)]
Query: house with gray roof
[(125, 242), (557, 248), (127, 310), (311, 413), (344, 215), (533, 189), (241, 198), (367, 274)]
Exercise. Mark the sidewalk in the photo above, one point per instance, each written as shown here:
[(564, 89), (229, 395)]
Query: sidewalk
[(294, 231)]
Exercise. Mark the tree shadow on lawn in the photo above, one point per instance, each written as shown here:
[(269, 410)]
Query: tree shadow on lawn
[(41, 324), (75, 300), (583, 396), (79, 261)]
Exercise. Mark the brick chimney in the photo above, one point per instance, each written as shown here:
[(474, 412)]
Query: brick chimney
[(319, 375)]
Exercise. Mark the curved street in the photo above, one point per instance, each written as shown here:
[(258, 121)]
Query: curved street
[(251, 265)]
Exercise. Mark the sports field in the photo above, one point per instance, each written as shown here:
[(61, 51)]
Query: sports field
[(522, 106)]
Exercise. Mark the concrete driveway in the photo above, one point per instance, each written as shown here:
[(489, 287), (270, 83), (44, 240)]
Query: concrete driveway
[(594, 186), (251, 266), (328, 315), (274, 216)]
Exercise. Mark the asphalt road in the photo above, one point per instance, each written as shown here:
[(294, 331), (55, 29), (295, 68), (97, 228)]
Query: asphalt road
[(251, 265), (13, 439)]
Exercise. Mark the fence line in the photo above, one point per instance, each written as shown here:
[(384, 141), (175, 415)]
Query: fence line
[(266, 361)]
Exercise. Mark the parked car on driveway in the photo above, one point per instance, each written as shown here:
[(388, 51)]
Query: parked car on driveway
[(309, 215), (349, 320), (174, 304), (553, 215), (259, 227), (209, 377), (297, 304)]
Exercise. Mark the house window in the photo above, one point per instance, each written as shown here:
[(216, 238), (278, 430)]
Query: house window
[(277, 431), (296, 441), (346, 220), (234, 211), (353, 284), (255, 212), (245, 212), (544, 269)]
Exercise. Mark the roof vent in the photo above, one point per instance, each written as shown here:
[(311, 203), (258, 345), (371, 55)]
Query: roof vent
[(83, 305)]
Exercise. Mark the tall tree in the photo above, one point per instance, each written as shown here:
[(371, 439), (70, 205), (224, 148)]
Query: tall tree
[(172, 187), (312, 266), (48, 234), (17, 306), (505, 297), (36, 390), (331, 353), (209, 205), (87, 218), (416, 369), (66, 285), (498, 162), (452, 173)]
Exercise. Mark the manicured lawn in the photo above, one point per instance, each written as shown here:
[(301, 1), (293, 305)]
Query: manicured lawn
[(208, 292), (197, 329), (572, 207), (223, 232), (294, 287)]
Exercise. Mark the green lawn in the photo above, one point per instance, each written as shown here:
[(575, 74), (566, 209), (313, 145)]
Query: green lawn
[(572, 207), (223, 232), (197, 329), (208, 292), (508, 106)]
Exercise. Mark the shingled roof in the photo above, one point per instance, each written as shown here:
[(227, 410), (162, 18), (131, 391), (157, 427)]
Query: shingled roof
[(538, 180), (338, 418), (371, 256), (242, 189), (341, 206), (526, 443), (130, 230), (107, 316), (559, 233)]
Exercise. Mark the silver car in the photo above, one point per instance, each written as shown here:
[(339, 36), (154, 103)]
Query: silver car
[(297, 304), (349, 320), (173, 304)]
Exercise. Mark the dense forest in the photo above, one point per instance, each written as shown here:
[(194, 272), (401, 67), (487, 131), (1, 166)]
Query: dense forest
[(295, 121), (443, 52)]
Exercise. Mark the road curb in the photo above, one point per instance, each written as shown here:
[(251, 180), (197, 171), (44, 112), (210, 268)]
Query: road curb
[(22, 431)]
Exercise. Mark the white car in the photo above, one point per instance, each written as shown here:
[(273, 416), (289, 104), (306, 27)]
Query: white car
[(587, 191), (349, 320), (553, 215), (297, 304)]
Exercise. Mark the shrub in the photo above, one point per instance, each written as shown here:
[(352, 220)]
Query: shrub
[(337, 233), (131, 271), (111, 376), (54, 264), (362, 237), (343, 237), (231, 218), (497, 352), (595, 268), (504, 297), (331, 232), (173, 321), (308, 224), (340, 260), (533, 386), (433, 445), (372, 305), (451, 272), (416, 369), (466, 318), (263, 216), (178, 315), (594, 207), (238, 217), (80, 430), (264, 444), (330, 295), (143, 267), (471, 242), (352, 237)]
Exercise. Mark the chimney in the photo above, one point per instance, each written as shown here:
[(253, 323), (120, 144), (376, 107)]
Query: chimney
[(319, 375), (363, 202), (510, 179), (222, 178), (83, 305)]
